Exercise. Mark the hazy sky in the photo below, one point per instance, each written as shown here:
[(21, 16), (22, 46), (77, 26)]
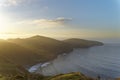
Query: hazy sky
[(91, 19)]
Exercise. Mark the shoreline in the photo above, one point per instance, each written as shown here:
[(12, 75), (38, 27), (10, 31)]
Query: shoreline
[(94, 56), (28, 66)]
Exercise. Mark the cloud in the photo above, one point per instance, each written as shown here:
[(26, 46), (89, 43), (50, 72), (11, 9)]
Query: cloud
[(13, 2), (8, 33), (6, 3), (45, 23), (62, 20)]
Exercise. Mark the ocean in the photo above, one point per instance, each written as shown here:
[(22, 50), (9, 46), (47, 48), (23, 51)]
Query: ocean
[(103, 61)]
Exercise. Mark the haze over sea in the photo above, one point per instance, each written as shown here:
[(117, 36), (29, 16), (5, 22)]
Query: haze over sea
[(100, 60)]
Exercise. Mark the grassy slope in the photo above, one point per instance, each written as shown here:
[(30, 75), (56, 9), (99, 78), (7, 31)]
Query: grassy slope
[(17, 54), (48, 48), (39, 48), (30, 51), (8, 68), (69, 76)]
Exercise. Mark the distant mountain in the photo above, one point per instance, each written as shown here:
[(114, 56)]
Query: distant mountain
[(29, 51), (43, 45), (46, 48), (81, 43)]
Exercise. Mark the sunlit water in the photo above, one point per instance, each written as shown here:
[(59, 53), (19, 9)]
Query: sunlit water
[(101, 60)]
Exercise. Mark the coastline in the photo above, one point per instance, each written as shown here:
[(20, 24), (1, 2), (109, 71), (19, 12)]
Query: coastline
[(103, 60)]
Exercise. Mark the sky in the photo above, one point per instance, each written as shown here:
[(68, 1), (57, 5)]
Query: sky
[(60, 19)]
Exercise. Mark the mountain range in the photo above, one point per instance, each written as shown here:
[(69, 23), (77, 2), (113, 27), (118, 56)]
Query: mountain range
[(17, 54)]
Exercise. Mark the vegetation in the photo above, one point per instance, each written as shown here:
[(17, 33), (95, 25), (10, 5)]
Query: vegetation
[(69, 76), (46, 48), (29, 51), (18, 54), (117, 78)]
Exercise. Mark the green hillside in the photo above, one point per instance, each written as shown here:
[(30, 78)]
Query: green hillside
[(17, 54), (69, 76), (37, 49), (46, 47)]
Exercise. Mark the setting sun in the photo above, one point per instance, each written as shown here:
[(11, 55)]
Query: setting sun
[(5, 26), (59, 39), (3, 23)]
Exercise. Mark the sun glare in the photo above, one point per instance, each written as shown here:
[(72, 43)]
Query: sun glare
[(3, 23), (4, 26)]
